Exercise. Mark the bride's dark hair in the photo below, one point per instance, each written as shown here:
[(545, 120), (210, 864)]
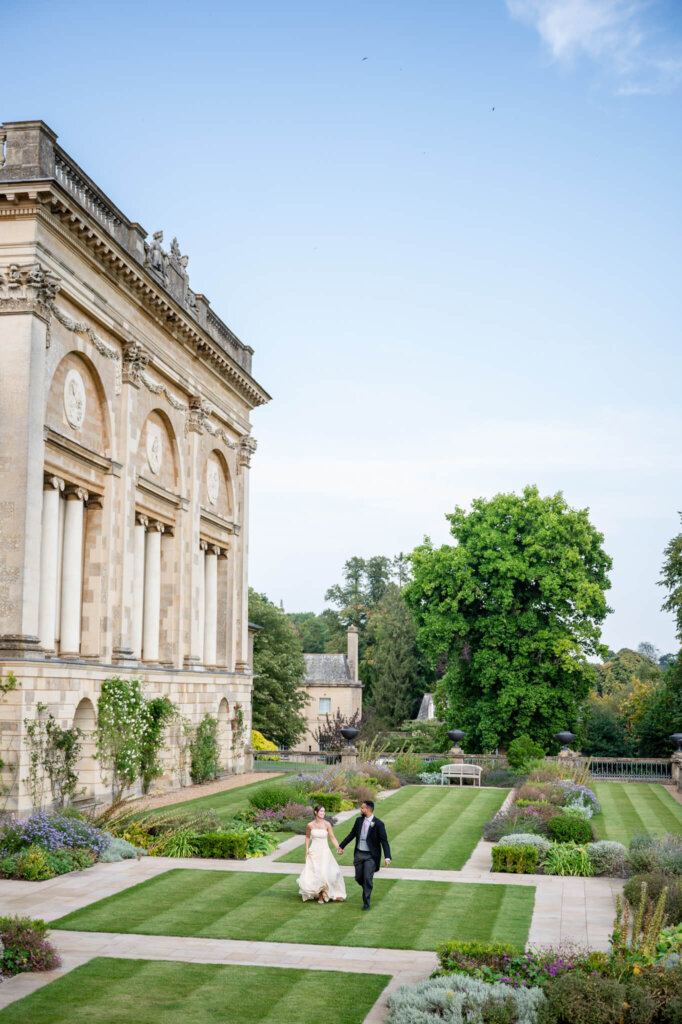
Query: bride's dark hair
[(318, 807)]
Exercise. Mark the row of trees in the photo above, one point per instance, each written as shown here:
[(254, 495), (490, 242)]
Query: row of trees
[(504, 625)]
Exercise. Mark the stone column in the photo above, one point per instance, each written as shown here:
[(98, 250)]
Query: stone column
[(72, 572), (247, 447), (141, 524), (211, 604), (23, 324), (201, 617), (152, 593), (49, 565)]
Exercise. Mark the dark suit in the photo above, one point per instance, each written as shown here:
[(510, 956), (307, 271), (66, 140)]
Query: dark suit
[(369, 861)]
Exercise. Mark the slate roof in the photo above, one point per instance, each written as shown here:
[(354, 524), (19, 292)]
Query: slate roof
[(327, 668)]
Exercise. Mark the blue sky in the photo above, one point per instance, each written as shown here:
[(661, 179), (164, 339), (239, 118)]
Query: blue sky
[(445, 300)]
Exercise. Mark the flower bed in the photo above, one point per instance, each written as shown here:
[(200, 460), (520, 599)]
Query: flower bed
[(44, 845), (556, 812), (638, 982)]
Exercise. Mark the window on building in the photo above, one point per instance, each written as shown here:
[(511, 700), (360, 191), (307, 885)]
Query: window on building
[(325, 705)]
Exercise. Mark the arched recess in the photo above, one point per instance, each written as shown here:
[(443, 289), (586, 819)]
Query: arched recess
[(76, 405), (156, 610), (158, 454), (217, 490), (86, 769), (224, 732)]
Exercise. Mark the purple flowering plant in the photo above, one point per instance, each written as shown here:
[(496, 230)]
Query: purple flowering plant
[(523, 969), (52, 831), (579, 794)]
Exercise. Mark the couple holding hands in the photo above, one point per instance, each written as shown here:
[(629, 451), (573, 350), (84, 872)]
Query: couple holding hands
[(321, 878)]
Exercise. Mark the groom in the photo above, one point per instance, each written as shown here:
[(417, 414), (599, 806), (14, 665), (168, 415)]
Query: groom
[(370, 837)]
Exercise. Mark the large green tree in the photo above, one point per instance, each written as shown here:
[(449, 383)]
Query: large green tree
[(672, 580), (395, 665), (279, 669), (513, 612)]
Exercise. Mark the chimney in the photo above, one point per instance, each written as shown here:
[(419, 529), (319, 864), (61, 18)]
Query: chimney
[(353, 651)]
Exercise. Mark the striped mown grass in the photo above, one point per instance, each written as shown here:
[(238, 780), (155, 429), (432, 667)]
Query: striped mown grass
[(113, 991), (434, 827), (267, 907), (631, 807)]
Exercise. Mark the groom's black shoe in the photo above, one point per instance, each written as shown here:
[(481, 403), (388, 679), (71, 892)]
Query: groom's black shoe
[(366, 908)]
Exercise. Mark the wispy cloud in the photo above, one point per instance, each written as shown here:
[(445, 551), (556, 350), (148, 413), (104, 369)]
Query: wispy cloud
[(619, 35)]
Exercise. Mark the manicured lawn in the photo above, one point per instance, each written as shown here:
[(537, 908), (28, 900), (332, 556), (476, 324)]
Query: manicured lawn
[(428, 826), (631, 807), (242, 905), (112, 991), (225, 804)]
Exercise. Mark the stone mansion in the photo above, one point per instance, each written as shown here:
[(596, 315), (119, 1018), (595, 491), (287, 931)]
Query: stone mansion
[(125, 406)]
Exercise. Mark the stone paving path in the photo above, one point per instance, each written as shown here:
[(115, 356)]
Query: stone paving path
[(566, 909)]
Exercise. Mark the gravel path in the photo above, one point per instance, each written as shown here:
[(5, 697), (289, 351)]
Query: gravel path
[(179, 796)]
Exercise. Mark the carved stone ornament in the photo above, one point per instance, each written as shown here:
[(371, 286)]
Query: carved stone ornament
[(247, 447), (212, 481), (135, 359), (74, 399), (171, 269), (27, 288), (154, 447)]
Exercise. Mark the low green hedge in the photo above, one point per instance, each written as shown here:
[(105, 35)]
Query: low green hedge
[(517, 859), (564, 829), (452, 954), (224, 845), (330, 801)]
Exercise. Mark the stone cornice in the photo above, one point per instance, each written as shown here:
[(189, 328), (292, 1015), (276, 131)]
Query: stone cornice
[(49, 199)]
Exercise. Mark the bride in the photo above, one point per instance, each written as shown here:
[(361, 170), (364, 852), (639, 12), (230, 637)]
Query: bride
[(321, 878)]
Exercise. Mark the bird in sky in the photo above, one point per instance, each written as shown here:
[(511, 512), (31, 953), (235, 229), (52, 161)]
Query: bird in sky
[(364, 58)]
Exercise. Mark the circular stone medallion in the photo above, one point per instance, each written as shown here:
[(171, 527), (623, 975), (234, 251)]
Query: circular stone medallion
[(212, 481), (74, 399), (154, 448)]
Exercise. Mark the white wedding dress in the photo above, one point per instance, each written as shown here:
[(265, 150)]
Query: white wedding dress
[(321, 877)]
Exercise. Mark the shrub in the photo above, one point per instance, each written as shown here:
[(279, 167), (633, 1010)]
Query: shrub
[(575, 998), (183, 843), (330, 801), (205, 751), (459, 998), (259, 742), (407, 766), (120, 849), (522, 751), (577, 811), (24, 946), (456, 956), (357, 795), (384, 776), (435, 766), (63, 861), (225, 845), (568, 859), (565, 829), (540, 843), (607, 858), (656, 882), (579, 794), (517, 859), (275, 795), (513, 820), (33, 865), (429, 779), (656, 853)]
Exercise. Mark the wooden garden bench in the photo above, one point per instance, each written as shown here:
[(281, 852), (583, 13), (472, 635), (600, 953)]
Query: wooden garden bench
[(460, 771)]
